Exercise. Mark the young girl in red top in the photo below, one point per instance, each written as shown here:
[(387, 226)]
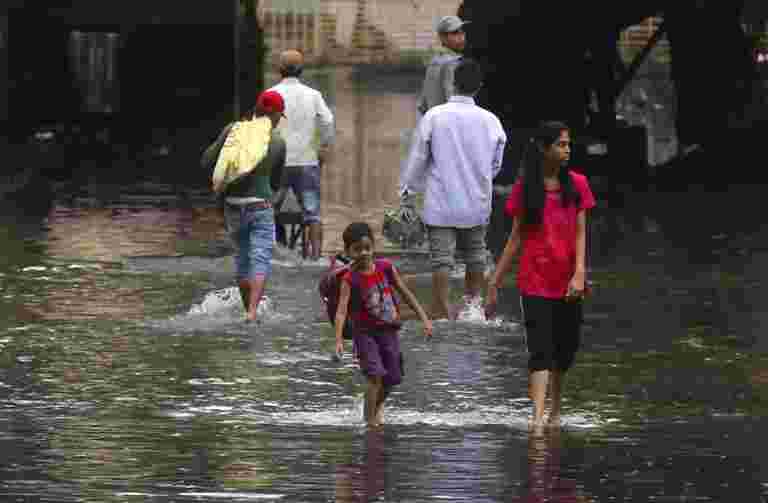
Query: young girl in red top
[(549, 208), (366, 296)]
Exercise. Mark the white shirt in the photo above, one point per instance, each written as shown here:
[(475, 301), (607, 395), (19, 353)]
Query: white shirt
[(308, 122), (457, 150)]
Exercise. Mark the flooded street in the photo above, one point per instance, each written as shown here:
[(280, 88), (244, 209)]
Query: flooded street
[(127, 374)]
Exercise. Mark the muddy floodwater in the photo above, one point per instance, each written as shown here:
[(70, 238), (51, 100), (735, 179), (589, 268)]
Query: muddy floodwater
[(126, 374)]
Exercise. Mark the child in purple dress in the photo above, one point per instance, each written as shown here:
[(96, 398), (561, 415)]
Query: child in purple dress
[(366, 297)]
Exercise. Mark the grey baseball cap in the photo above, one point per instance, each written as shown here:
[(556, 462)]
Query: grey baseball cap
[(449, 24)]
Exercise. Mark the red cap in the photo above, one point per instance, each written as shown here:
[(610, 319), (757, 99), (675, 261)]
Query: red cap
[(271, 101)]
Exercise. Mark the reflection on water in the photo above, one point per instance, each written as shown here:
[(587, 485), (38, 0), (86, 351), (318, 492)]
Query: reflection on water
[(133, 378), (546, 481), (110, 234)]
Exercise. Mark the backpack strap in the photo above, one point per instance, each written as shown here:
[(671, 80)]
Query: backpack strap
[(386, 267), (354, 283)]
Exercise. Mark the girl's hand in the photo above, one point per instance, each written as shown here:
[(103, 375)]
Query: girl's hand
[(339, 347), (576, 286), (491, 300), (427, 328)]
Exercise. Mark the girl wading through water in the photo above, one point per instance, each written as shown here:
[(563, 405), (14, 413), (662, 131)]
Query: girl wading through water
[(367, 297), (549, 207)]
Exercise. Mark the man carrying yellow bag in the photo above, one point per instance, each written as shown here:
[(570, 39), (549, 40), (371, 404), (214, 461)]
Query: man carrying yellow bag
[(249, 164)]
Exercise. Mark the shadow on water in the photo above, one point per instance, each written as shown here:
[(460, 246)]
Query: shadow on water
[(127, 374)]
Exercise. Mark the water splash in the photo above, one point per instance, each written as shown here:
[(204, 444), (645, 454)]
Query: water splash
[(227, 304), (224, 302), (349, 413), (472, 310), (232, 496), (222, 309), (352, 415)]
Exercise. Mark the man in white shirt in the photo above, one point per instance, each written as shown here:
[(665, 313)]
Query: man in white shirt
[(308, 131), (457, 150)]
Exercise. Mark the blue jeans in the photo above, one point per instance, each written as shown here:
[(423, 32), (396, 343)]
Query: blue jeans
[(305, 182), (252, 230)]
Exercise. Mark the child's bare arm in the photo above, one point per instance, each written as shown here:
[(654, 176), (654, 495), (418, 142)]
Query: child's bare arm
[(412, 301), (341, 315), (505, 262)]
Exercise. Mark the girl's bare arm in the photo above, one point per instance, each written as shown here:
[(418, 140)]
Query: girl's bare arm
[(581, 242), (579, 279)]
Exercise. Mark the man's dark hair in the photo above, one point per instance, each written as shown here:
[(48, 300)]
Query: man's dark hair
[(468, 77), (355, 232), (291, 70)]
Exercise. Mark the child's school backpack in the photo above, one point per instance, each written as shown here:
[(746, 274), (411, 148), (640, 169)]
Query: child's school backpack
[(330, 287)]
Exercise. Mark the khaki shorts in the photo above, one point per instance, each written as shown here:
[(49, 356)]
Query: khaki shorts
[(447, 242)]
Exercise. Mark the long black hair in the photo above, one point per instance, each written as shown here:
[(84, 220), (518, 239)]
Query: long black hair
[(546, 135)]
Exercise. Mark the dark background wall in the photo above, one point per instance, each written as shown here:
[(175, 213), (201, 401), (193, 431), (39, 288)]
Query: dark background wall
[(3, 69), (175, 63), (542, 58)]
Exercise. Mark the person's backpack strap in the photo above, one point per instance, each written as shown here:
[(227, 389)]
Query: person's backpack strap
[(354, 283), (354, 280), (386, 267)]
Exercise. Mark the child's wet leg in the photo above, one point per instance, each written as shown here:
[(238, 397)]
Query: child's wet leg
[(555, 395), (257, 290), (372, 400), (473, 283), (440, 293), (383, 394), (537, 389), (244, 285)]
